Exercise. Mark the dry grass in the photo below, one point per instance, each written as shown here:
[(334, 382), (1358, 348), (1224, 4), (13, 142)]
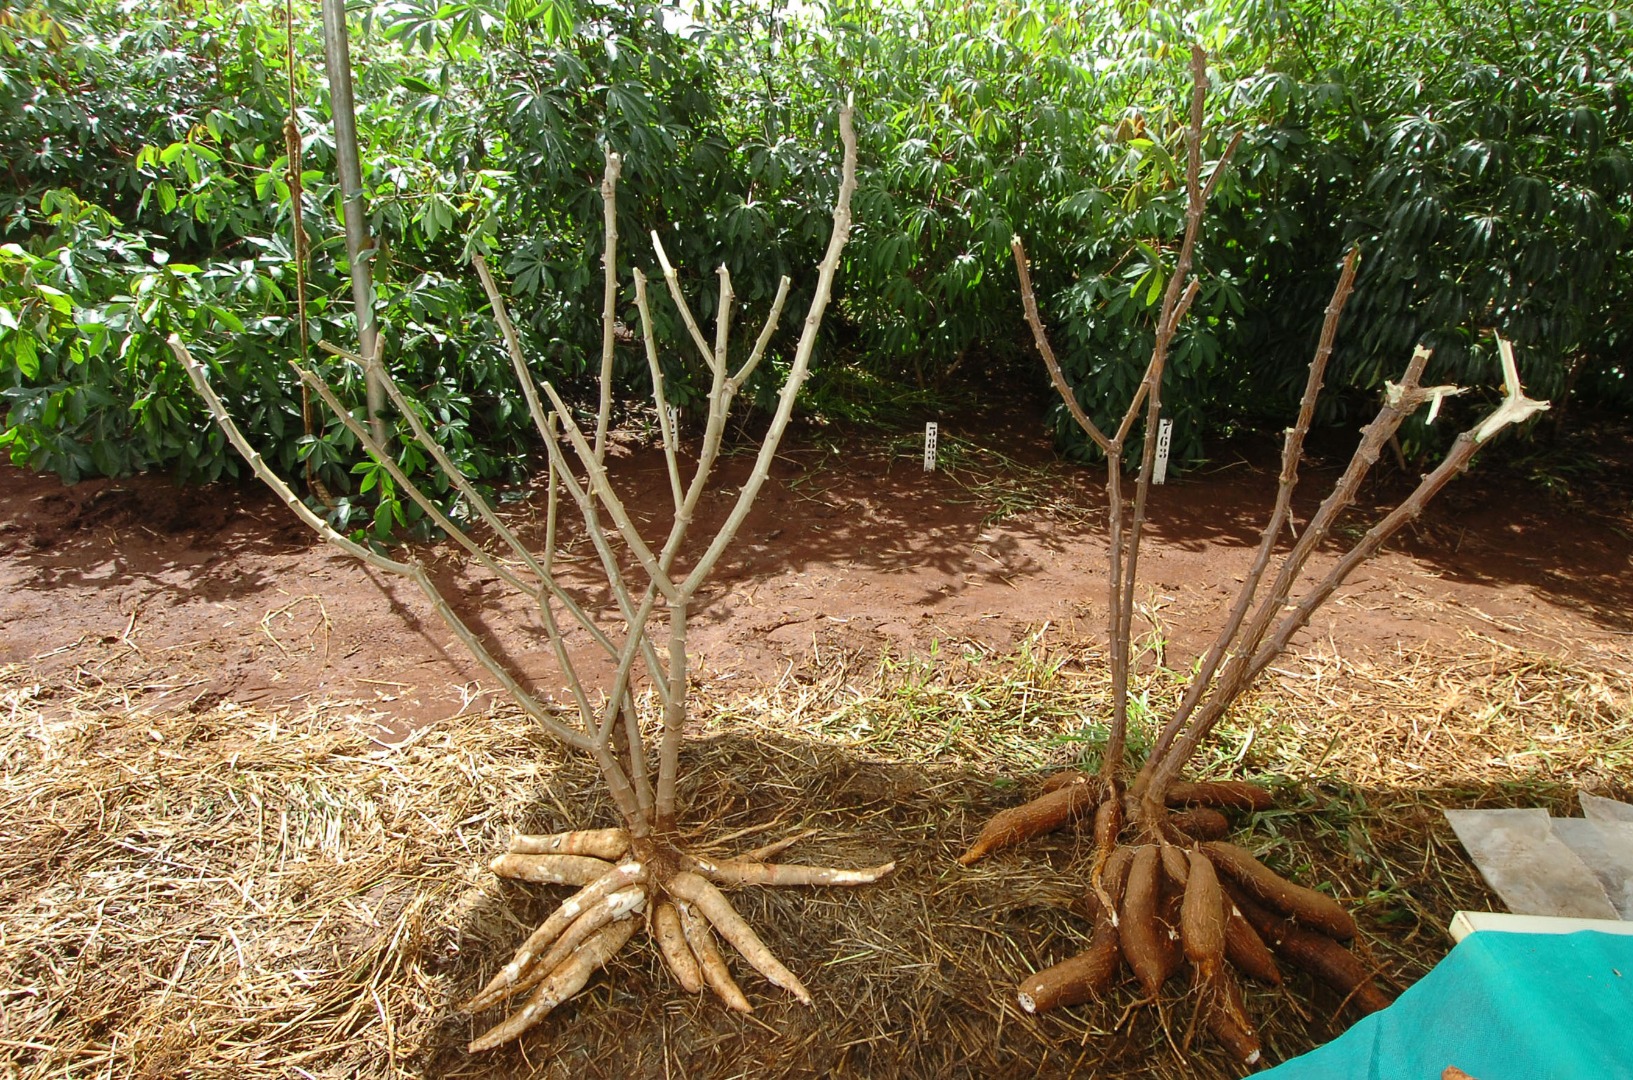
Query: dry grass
[(244, 894), (989, 478)]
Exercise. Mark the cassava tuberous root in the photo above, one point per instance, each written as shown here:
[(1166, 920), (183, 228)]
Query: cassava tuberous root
[(562, 983), (1060, 804), (1081, 978), (1313, 909), (608, 845), (677, 954), (1174, 899), (1246, 950), (1201, 823), (1313, 952), (686, 910), (1225, 1015), (1087, 975), (1219, 795), (1202, 917), (1186, 886), (1139, 926)]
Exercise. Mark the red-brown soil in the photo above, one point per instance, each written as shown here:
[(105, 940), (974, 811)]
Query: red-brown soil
[(118, 597), (849, 552)]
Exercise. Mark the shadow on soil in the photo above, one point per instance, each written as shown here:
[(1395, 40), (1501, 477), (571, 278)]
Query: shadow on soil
[(861, 543)]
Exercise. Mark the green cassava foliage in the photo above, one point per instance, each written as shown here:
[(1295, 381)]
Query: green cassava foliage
[(158, 202), (1478, 150)]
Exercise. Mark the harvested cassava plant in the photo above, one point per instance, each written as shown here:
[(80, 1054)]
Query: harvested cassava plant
[(641, 868), (1184, 884)]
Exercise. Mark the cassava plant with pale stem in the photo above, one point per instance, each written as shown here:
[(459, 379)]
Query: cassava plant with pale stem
[(1166, 891), (638, 874)]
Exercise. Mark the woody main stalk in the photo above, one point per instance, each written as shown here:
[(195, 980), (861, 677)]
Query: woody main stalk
[(1166, 893), (639, 874)]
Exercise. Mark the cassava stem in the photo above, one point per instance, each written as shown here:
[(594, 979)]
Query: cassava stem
[(640, 865)]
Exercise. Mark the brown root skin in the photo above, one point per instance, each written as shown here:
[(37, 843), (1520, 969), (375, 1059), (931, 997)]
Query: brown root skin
[(1241, 1042), (1161, 899), (1175, 865), (1220, 795), (1173, 952), (1227, 1021), (1108, 821), (1313, 909), (1114, 877), (1082, 978), (1246, 950), (1115, 873), (1202, 918), (1065, 778), (1140, 930), (1201, 823), (1047, 812), (1315, 953)]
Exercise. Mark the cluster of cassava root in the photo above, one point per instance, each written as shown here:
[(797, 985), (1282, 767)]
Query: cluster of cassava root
[(1177, 894), (640, 874), (1165, 889), (622, 877)]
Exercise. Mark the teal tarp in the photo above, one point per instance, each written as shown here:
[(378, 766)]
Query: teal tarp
[(1502, 1006)]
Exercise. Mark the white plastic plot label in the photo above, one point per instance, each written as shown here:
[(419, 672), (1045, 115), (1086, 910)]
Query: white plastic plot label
[(931, 433), (1165, 439)]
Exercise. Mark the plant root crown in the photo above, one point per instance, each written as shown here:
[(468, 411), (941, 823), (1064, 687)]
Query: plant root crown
[(589, 928)]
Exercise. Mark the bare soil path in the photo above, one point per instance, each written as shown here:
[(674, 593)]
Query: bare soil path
[(851, 551)]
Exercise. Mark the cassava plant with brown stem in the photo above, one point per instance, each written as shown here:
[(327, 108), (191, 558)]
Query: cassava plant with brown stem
[(639, 874), (1165, 890)]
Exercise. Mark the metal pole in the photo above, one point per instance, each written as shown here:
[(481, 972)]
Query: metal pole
[(338, 61)]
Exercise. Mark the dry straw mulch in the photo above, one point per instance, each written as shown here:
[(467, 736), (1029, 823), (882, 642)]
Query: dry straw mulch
[(240, 893)]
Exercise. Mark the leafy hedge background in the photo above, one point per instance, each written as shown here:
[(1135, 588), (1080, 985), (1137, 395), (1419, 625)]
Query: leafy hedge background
[(1477, 150)]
